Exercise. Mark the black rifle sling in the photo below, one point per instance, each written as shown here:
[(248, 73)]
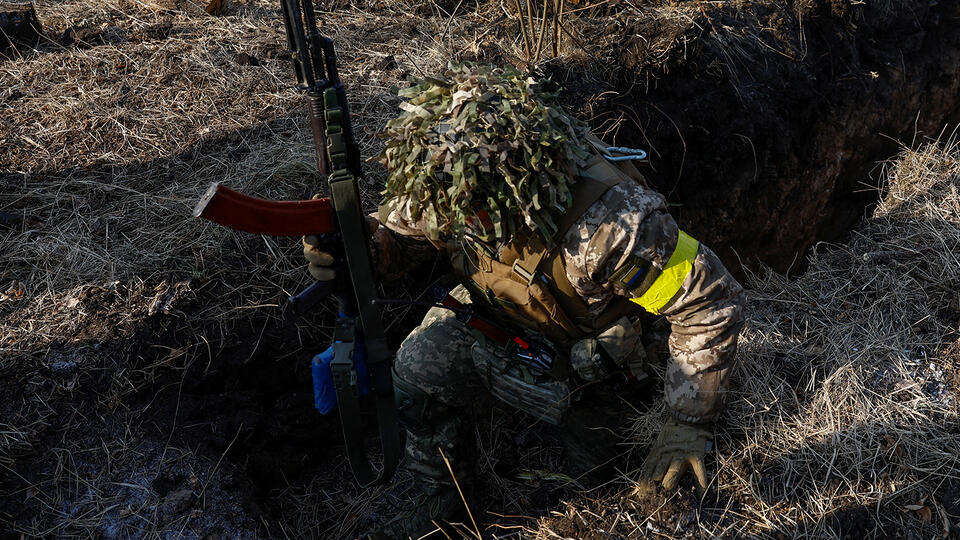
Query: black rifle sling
[(315, 64), (350, 220)]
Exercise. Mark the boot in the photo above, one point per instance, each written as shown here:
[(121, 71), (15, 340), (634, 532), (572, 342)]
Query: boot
[(438, 510)]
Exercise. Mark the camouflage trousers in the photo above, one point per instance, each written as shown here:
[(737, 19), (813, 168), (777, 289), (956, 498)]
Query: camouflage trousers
[(441, 385)]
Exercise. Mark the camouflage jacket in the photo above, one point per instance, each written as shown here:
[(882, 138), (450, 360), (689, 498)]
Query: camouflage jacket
[(628, 225)]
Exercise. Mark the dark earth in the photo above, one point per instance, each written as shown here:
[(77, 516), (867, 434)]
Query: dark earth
[(779, 112)]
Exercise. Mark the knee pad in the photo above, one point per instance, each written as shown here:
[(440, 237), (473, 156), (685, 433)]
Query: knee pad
[(431, 424), (416, 410)]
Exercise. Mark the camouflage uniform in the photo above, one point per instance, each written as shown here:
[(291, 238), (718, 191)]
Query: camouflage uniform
[(438, 370), (550, 236)]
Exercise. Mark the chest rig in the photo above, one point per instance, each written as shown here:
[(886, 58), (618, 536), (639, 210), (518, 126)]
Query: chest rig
[(525, 285)]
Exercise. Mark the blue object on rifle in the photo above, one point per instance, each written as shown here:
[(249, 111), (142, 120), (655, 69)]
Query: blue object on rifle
[(324, 392)]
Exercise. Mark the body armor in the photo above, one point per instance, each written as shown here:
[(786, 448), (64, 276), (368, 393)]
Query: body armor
[(525, 284)]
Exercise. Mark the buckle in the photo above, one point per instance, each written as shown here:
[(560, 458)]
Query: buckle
[(522, 272), (626, 154)]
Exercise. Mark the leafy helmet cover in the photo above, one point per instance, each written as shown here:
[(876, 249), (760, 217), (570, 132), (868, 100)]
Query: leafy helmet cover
[(482, 151)]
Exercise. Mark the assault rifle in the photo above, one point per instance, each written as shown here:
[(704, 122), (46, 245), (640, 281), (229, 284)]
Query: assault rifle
[(359, 359)]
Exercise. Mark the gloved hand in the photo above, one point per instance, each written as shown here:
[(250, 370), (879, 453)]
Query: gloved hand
[(320, 260), (679, 447)]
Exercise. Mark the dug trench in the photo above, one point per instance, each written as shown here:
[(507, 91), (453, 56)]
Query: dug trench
[(764, 121), (767, 120)]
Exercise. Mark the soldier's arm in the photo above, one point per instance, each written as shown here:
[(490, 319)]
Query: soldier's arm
[(705, 316), (399, 245), (632, 247)]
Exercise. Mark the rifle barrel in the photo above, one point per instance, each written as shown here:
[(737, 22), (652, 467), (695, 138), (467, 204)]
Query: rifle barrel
[(314, 41), (300, 53)]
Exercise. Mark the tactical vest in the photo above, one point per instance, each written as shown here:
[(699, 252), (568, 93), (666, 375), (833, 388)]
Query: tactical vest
[(527, 285)]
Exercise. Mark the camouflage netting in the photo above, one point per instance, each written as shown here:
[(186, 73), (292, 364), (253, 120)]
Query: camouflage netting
[(483, 151)]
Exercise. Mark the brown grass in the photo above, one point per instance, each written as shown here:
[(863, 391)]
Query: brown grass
[(113, 299)]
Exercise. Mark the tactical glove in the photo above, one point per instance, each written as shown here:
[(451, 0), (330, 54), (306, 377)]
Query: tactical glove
[(679, 447), (321, 261)]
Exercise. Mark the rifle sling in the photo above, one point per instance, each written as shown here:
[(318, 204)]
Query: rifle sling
[(351, 224)]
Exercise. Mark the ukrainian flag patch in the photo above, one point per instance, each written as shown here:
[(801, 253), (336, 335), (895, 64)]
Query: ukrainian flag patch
[(633, 273)]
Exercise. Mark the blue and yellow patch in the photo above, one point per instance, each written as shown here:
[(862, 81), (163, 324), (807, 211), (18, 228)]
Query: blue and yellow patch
[(634, 273), (651, 287)]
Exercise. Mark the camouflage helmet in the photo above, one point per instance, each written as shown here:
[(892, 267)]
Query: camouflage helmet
[(482, 151)]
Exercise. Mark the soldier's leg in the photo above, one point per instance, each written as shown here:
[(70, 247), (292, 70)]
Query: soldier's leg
[(598, 422), (437, 393)]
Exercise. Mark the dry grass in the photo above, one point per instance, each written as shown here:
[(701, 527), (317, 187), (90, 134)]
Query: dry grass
[(112, 294), (843, 416)]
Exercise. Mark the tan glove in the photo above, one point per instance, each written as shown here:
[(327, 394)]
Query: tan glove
[(320, 260), (679, 447)]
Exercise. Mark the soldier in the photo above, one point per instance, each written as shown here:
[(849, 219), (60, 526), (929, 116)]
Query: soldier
[(558, 248)]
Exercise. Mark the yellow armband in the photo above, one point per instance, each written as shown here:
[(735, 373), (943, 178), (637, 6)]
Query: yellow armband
[(671, 278)]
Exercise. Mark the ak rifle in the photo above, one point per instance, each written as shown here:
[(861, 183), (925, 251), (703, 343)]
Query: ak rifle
[(361, 361)]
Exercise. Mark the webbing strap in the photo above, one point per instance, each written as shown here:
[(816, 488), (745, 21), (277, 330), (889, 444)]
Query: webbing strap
[(671, 278), (588, 190), (351, 225), (574, 305)]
